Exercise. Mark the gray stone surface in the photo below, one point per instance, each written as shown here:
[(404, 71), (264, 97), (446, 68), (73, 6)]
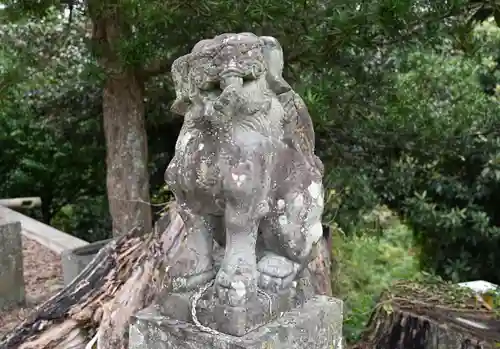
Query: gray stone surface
[(244, 173), (55, 240), (12, 290), (315, 325), (75, 260), (235, 320)]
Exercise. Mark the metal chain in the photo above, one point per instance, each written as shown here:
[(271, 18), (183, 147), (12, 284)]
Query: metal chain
[(194, 302), (199, 294)]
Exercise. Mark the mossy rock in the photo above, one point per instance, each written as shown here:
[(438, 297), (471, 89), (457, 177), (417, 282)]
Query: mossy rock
[(431, 315)]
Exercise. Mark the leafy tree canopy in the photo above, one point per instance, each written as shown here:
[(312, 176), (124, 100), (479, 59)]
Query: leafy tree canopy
[(402, 93)]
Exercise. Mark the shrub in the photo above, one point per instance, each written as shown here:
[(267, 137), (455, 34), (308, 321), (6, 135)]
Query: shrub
[(432, 154), (365, 265)]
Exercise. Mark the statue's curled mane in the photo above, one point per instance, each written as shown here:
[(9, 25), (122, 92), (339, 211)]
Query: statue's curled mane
[(248, 56)]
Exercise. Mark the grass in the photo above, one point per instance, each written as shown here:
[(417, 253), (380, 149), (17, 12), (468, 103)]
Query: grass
[(366, 265)]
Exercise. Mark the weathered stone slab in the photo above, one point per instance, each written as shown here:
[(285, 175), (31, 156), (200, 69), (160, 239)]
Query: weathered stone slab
[(11, 265), (315, 325), (236, 321), (75, 260)]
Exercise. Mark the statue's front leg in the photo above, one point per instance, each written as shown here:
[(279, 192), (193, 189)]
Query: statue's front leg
[(290, 234), (236, 282)]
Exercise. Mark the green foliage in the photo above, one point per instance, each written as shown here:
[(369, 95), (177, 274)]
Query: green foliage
[(446, 179), (485, 46), (56, 161), (88, 218), (431, 153), (365, 266), (50, 125), (330, 43), (402, 93)]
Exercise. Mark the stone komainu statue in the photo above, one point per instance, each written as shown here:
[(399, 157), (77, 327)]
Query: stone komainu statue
[(244, 172)]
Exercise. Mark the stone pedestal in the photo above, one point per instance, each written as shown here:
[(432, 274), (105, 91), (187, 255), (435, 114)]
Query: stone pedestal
[(317, 324), (11, 266), (75, 260), (236, 321)]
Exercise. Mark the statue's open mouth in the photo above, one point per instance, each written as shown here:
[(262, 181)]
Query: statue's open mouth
[(233, 75), (231, 80), (237, 73)]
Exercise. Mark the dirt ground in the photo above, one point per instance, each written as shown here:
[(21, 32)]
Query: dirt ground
[(42, 277)]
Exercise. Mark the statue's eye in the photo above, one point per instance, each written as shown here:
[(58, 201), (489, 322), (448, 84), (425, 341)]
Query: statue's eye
[(209, 85), (248, 78), (252, 71), (212, 87)]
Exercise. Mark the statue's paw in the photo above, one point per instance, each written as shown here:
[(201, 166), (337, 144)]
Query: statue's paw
[(234, 290), (191, 282), (276, 273), (226, 99)]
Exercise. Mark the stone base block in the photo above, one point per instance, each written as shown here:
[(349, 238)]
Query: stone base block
[(12, 291), (315, 325), (236, 321)]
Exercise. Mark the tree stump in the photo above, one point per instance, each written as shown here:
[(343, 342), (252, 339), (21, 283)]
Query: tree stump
[(125, 276), (431, 316)]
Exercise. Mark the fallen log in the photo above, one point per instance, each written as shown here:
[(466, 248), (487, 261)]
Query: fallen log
[(126, 270), (124, 277), (434, 315)]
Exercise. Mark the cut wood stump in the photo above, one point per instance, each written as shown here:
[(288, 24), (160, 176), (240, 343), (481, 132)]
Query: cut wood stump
[(124, 277), (434, 315)]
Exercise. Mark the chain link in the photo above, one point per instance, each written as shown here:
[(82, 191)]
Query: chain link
[(194, 302), (199, 294)]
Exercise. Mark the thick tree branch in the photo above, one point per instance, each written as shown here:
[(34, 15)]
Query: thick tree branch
[(156, 67)]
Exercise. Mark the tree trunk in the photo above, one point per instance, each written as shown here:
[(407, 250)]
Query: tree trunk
[(430, 316), (46, 209), (124, 121), (127, 153), (124, 277)]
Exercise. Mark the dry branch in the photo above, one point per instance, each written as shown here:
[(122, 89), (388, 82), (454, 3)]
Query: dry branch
[(126, 270), (125, 276)]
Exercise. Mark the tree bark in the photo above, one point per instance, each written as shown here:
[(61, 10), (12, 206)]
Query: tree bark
[(124, 122), (46, 209), (126, 276), (430, 316), (127, 153)]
